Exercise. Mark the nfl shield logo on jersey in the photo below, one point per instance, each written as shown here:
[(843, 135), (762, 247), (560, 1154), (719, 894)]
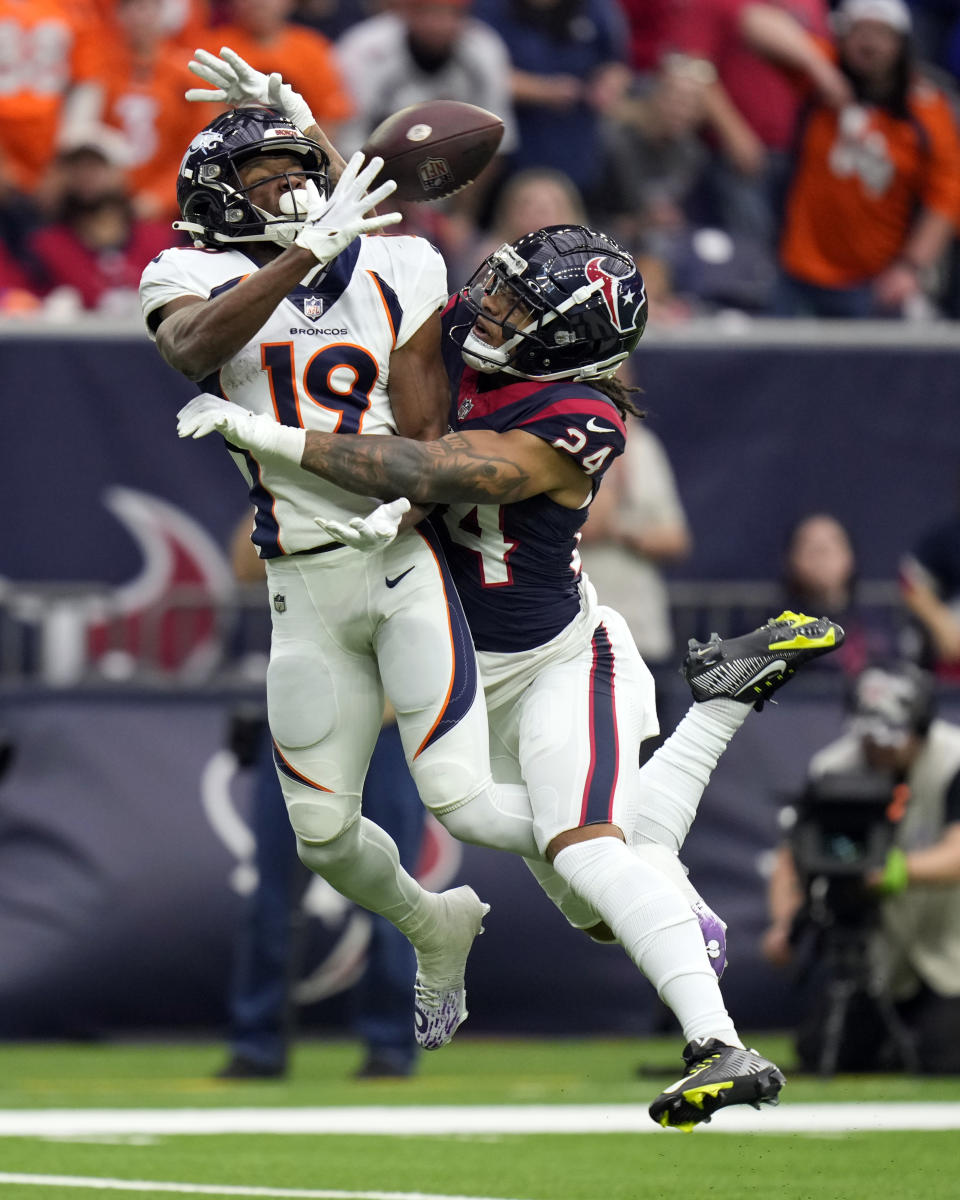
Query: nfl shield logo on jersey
[(311, 306), (466, 404), (279, 602)]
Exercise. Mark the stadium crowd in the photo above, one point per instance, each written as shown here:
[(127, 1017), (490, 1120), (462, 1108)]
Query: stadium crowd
[(776, 158)]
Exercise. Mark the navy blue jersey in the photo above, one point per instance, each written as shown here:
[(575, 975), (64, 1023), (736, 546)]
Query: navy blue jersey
[(516, 566)]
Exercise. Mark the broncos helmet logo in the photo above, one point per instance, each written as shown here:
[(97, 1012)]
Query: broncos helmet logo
[(206, 140), (613, 296)]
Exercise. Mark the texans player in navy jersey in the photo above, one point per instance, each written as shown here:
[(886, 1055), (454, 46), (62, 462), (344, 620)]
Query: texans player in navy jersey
[(533, 342)]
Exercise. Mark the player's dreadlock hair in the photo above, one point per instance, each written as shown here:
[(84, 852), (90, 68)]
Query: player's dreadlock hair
[(617, 391)]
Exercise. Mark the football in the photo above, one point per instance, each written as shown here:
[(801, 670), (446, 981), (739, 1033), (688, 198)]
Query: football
[(436, 148)]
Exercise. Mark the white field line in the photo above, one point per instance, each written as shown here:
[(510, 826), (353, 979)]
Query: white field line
[(212, 1189), (479, 1120)]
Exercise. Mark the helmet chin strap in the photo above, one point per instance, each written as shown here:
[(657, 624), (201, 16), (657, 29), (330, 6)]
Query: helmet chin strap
[(201, 233), (488, 359)]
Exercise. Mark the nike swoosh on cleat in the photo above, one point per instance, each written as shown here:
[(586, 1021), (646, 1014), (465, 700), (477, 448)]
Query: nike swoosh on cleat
[(595, 428), (392, 583), (770, 669)]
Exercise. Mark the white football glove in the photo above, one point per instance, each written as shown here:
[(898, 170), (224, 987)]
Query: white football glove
[(343, 216), (236, 82), (373, 532), (253, 431)]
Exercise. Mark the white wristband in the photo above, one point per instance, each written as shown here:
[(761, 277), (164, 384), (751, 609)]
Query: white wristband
[(281, 441), (297, 111)]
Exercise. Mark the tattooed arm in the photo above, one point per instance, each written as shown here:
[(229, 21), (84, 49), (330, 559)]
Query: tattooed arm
[(480, 467)]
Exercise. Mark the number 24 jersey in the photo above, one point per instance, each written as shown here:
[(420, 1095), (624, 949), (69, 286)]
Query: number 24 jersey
[(516, 566)]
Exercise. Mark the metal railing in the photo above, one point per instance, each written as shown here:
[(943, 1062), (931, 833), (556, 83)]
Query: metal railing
[(87, 636)]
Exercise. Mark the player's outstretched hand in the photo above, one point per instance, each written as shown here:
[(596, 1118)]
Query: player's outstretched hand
[(345, 215), (236, 82), (255, 432), (372, 532)]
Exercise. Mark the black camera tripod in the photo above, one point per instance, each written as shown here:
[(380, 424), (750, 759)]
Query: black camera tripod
[(846, 960)]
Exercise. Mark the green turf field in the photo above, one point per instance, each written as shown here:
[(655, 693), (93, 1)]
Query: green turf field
[(573, 1165)]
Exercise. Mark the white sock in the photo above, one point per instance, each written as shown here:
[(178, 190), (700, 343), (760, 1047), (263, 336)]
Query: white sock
[(363, 864), (667, 863), (653, 922), (672, 781)]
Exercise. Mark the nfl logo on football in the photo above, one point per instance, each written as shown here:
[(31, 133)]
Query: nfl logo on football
[(434, 174)]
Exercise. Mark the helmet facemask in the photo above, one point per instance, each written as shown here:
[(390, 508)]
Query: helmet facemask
[(215, 203), (565, 319), (514, 320)]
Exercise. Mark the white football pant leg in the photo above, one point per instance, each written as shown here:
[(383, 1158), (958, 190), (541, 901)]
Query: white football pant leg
[(325, 707), (429, 670)]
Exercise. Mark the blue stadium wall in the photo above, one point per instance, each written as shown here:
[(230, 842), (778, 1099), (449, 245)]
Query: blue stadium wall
[(120, 893)]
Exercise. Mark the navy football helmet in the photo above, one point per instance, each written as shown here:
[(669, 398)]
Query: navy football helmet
[(580, 306), (210, 193)]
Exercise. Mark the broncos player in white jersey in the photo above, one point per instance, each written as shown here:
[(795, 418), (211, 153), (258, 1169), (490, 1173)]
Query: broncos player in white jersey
[(533, 342), (285, 307)]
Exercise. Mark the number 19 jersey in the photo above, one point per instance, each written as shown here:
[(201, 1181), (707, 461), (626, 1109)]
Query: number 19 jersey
[(321, 361)]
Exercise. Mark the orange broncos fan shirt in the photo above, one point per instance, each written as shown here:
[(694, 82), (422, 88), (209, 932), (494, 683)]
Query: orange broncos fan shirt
[(46, 46), (303, 57), (144, 100), (857, 181)]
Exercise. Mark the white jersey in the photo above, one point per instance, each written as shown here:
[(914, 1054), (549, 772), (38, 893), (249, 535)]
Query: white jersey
[(321, 361)]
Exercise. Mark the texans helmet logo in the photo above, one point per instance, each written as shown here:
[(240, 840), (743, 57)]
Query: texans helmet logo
[(622, 305)]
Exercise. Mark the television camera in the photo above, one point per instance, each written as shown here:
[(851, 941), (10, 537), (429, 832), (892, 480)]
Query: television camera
[(843, 826)]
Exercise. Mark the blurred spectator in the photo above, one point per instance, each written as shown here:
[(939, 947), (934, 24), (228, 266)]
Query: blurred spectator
[(876, 189), (637, 526), (930, 585), (261, 32), (417, 51), (569, 69), (186, 23), (820, 576), (332, 18), (20, 214), (49, 48), (657, 156), (17, 297), (651, 26), (429, 51), (139, 115), (94, 252), (531, 199), (759, 52)]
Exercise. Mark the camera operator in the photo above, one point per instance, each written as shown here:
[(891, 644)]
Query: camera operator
[(914, 930)]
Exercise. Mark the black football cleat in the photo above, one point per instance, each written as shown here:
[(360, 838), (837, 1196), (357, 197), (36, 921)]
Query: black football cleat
[(752, 667), (718, 1076), (248, 1068)]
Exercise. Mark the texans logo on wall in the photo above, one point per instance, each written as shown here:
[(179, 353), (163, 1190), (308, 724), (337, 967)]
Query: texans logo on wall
[(163, 619)]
